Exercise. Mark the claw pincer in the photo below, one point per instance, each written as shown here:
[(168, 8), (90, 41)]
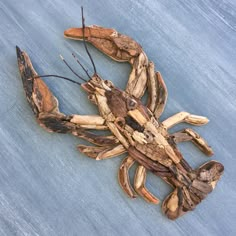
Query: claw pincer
[(135, 127)]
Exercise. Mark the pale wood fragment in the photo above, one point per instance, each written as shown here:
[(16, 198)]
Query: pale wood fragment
[(139, 185), (184, 117), (138, 116), (117, 133), (123, 176), (87, 120)]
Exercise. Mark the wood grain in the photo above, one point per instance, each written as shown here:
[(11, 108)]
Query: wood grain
[(46, 186)]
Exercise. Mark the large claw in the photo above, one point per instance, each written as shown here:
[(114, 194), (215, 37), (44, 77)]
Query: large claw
[(119, 47), (115, 45), (38, 94), (45, 105)]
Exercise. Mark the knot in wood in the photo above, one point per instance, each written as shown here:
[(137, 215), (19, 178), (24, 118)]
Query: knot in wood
[(120, 123), (108, 83), (131, 104), (149, 136)]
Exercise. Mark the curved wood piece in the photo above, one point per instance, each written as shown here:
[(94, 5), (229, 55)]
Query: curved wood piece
[(123, 176), (139, 185), (197, 140), (157, 92)]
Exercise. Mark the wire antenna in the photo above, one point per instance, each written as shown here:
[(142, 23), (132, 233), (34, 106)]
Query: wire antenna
[(90, 57), (77, 60), (72, 69), (58, 76)]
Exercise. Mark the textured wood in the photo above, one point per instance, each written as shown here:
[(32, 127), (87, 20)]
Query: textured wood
[(46, 186)]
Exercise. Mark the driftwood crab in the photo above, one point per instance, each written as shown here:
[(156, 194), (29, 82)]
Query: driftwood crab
[(135, 128)]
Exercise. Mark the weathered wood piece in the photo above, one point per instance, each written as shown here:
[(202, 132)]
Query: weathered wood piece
[(135, 127)]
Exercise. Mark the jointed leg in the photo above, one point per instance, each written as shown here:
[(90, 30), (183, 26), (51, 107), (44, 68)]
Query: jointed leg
[(139, 185), (101, 153), (191, 135), (139, 181), (123, 176), (99, 140), (184, 117), (89, 121), (157, 91)]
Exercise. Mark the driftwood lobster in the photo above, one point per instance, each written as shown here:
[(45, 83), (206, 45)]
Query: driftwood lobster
[(135, 128)]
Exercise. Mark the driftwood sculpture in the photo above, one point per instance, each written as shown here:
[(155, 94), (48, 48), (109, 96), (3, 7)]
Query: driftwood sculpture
[(135, 127)]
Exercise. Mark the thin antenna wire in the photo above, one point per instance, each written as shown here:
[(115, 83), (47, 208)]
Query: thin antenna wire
[(83, 25), (72, 69), (58, 76), (77, 60)]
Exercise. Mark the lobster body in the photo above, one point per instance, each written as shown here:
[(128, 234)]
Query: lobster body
[(135, 128)]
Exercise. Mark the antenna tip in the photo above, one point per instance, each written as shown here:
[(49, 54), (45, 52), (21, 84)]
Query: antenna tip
[(61, 57)]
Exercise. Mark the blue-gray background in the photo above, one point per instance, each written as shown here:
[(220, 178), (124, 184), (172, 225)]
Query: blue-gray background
[(46, 186)]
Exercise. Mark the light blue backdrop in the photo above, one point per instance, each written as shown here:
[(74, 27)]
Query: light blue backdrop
[(46, 186)]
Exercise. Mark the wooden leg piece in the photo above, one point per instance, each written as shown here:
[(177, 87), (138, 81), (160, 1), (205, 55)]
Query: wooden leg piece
[(157, 91), (101, 153), (184, 117), (123, 176), (191, 135), (139, 185)]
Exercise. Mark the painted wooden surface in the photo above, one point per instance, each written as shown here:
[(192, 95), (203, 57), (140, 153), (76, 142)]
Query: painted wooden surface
[(46, 186)]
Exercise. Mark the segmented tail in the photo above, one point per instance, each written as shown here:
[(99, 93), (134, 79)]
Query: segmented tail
[(186, 198)]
